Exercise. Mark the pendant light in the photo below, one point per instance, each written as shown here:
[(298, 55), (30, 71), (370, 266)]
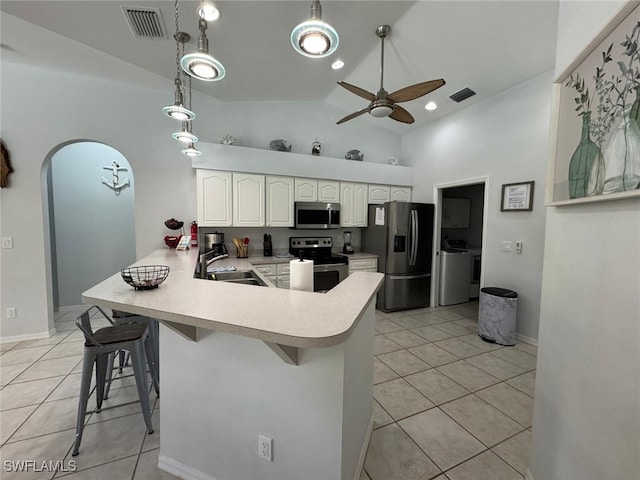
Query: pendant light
[(178, 111), (191, 151), (200, 64), (315, 38), (208, 11), (186, 134)]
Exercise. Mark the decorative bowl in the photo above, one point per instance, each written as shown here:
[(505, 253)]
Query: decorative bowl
[(172, 241), (173, 224), (354, 155), (145, 277)]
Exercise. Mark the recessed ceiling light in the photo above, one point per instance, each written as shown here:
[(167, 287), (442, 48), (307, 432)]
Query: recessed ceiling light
[(431, 106), (337, 65)]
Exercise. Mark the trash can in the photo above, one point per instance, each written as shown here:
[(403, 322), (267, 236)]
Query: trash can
[(497, 315)]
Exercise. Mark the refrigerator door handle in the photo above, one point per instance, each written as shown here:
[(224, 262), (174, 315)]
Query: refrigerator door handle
[(413, 237)]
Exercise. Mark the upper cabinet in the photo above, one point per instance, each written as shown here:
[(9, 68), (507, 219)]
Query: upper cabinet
[(328, 191), (279, 197), (306, 190), (379, 193), (455, 212), (400, 194), (248, 200), (353, 204), (214, 199)]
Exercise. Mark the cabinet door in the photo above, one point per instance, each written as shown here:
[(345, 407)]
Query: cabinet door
[(283, 281), (346, 204), (248, 200), (328, 191), (306, 190), (214, 199), (279, 200), (463, 210), (379, 194), (400, 194), (360, 197)]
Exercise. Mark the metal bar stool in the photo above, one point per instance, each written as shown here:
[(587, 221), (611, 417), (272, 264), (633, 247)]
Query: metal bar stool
[(124, 318), (101, 344)]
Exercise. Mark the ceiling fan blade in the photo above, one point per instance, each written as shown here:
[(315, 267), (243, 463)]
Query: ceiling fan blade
[(401, 115), (415, 91), (361, 92), (353, 115)]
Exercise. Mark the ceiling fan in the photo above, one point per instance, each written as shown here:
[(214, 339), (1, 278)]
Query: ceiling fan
[(384, 104)]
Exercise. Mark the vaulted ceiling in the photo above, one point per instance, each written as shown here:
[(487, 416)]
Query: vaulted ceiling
[(487, 46)]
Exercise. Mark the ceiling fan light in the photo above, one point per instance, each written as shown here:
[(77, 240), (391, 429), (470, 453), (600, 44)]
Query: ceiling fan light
[(381, 111), (191, 151)]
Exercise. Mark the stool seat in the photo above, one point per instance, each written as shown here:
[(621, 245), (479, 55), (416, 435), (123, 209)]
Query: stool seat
[(121, 333)]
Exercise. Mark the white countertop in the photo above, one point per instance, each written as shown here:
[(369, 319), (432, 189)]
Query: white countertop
[(286, 317)]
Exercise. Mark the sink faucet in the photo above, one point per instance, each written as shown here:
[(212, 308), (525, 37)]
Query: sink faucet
[(204, 263)]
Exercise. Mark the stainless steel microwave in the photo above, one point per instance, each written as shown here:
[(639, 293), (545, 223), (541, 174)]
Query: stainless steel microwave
[(313, 215)]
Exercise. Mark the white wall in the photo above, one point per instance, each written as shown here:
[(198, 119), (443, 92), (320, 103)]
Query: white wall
[(42, 109), (505, 138), (587, 401), (94, 227)]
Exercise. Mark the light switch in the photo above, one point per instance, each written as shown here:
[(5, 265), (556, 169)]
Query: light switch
[(519, 246), (7, 242), (505, 246)]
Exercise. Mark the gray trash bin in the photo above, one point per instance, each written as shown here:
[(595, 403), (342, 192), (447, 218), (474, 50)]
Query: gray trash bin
[(497, 315)]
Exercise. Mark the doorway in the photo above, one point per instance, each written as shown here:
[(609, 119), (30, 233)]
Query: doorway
[(89, 217), (463, 224)]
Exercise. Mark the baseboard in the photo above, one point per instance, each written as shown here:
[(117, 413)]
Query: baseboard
[(528, 475), (363, 452), (29, 336), (525, 339), (72, 308), (180, 469)]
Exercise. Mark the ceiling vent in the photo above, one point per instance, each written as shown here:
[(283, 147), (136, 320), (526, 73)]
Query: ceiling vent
[(462, 94), (145, 22)]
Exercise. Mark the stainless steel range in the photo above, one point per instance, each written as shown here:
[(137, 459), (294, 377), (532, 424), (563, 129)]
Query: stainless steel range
[(328, 269)]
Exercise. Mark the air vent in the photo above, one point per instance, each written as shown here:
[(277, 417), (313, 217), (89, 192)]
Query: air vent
[(145, 22), (462, 95)]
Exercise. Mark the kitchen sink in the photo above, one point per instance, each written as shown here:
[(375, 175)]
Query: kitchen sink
[(243, 277)]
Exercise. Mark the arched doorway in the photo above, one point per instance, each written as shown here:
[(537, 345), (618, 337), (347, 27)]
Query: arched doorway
[(89, 202)]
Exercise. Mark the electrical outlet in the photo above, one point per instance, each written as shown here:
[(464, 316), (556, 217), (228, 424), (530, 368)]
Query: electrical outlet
[(505, 246), (7, 242), (519, 246), (265, 445), (11, 312)]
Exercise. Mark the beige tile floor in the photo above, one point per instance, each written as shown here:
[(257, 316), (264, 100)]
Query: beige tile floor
[(446, 405)]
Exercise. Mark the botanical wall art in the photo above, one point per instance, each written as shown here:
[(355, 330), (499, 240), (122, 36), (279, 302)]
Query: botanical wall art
[(597, 103)]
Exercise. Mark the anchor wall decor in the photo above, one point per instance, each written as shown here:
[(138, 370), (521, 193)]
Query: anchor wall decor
[(115, 183)]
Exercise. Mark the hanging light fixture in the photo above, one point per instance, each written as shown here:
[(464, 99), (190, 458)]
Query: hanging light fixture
[(186, 135), (315, 38), (200, 64), (191, 151), (178, 111)]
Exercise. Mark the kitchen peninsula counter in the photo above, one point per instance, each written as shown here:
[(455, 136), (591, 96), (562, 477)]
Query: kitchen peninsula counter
[(222, 386)]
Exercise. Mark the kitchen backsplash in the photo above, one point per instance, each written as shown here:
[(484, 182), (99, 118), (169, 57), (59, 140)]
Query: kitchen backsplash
[(279, 237)]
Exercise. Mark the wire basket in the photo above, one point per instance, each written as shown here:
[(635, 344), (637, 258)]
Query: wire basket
[(145, 277)]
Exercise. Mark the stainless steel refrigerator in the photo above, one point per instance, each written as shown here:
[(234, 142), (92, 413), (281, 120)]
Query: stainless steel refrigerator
[(401, 234)]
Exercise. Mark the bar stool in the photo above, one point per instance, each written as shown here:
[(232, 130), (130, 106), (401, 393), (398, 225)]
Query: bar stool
[(101, 344), (123, 318)]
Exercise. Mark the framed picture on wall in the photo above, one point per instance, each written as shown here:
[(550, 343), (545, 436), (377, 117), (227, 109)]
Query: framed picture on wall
[(595, 134), (517, 197)]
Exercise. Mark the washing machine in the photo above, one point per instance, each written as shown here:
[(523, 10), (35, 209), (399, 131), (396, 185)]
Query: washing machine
[(455, 276)]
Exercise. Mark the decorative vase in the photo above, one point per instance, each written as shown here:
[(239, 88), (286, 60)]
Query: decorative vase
[(585, 156), (622, 156)]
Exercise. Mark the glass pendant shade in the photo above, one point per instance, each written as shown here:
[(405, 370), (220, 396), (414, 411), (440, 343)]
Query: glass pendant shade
[(315, 38), (191, 151), (200, 64), (185, 134)]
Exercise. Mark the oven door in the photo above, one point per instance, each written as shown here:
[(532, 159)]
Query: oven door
[(325, 277)]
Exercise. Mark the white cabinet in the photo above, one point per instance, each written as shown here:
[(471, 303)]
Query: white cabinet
[(306, 190), (353, 204), (214, 199), (400, 194), (379, 194), (248, 200), (276, 273), (363, 265), (279, 201), (455, 212), (328, 191)]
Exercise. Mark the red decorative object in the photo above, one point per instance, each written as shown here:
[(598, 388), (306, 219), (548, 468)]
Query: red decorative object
[(172, 241)]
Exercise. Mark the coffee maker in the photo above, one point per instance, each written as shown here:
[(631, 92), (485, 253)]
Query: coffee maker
[(347, 248), (214, 244)]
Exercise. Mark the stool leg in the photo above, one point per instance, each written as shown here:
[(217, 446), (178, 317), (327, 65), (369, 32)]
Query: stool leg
[(140, 372), (102, 360), (153, 368), (85, 385), (154, 335), (109, 378), (122, 360)]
